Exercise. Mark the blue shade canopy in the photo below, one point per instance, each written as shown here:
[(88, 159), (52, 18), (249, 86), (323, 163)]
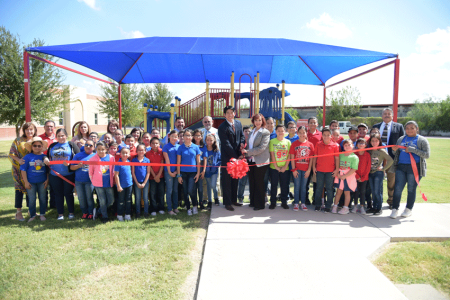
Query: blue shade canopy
[(191, 59)]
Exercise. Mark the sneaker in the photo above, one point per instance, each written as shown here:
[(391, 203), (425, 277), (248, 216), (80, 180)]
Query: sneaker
[(205, 202), (176, 211), (394, 214), (43, 218), (406, 213), (317, 208), (296, 207), (216, 202), (344, 211), (71, 216), (285, 206), (241, 201), (153, 213), (60, 218), (127, 217), (202, 207), (362, 210), (172, 213), (195, 210), (326, 210), (272, 206), (304, 208), (138, 215), (31, 219), (334, 210), (308, 202), (105, 220), (378, 212), (189, 212), (209, 205), (322, 207), (355, 209), (84, 216), (371, 210), (146, 214), (120, 218), (90, 217), (94, 214)]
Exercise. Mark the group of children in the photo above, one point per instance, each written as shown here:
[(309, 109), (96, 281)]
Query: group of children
[(346, 173)]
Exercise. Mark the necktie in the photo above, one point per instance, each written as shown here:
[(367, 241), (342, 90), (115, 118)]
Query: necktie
[(384, 135), (232, 126)]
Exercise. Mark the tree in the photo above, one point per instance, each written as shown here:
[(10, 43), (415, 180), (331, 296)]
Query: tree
[(431, 114), (158, 95), (131, 103), (293, 112), (343, 104), (47, 97)]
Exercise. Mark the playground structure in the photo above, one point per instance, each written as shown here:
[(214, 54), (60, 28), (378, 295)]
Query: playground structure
[(269, 102)]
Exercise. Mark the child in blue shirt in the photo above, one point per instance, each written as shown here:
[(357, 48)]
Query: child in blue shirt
[(170, 173), (35, 177), (124, 182), (212, 158), (188, 176), (198, 140), (141, 175)]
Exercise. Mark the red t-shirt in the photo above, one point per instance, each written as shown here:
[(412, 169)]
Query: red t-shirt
[(326, 163), (156, 158), (315, 137), (300, 150), (50, 141), (365, 163)]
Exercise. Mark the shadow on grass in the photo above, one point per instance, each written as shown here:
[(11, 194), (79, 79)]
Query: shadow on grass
[(6, 179)]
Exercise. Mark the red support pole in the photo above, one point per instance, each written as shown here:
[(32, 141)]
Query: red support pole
[(120, 106), (26, 81), (324, 105), (396, 82)]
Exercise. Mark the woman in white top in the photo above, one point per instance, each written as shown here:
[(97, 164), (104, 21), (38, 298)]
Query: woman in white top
[(258, 157)]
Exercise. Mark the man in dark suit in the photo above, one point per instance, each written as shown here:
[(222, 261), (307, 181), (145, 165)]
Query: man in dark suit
[(231, 143), (390, 132)]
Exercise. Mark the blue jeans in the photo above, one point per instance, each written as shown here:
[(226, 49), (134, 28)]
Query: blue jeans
[(199, 190), (124, 201), (324, 179), (85, 196), (157, 194), (241, 187), (137, 197), (63, 190), (283, 179), (105, 197), (404, 174), (171, 191), (211, 184), (189, 188), (42, 193), (300, 187), (376, 185)]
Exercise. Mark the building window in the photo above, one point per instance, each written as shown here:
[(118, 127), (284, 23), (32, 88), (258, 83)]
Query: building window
[(61, 118), (96, 119)]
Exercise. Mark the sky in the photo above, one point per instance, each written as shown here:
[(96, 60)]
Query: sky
[(418, 31)]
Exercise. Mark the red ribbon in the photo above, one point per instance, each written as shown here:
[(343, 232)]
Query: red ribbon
[(416, 175), (237, 168)]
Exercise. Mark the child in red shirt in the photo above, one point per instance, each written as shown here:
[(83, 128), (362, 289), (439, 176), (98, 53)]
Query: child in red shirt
[(155, 155), (362, 176), (301, 167), (325, 168), (129, 141)]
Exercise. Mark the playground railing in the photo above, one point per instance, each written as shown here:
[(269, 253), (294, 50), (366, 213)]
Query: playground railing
[(193, 110), (219, 98)]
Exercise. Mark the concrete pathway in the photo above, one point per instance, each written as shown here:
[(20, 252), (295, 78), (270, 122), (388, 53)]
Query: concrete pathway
[(282, 254)]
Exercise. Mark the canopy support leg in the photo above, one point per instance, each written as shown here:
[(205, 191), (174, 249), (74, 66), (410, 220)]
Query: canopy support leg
[(324, 110), (26, 81), (120, 106), (396, 82)]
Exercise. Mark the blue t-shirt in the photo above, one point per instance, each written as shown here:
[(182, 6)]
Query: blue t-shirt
[(82, 174), (188, 157), (35, 168), (171, 151), (106, 172), (125, 177), (212, 159), (140, 171), (292, 139), (120, 146), (61, 152), (273, 134), (404, 157)]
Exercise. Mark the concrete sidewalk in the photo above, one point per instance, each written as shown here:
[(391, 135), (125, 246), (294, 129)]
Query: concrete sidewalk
[(282, 254)]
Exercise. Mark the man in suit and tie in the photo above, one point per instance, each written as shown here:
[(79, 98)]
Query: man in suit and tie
[(390, 132), (231, 143)]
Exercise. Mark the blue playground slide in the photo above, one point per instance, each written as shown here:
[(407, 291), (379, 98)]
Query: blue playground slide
[(288, 118)]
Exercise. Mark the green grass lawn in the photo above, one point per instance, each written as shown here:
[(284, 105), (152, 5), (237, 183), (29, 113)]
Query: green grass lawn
[(149, 258), (412, 263)]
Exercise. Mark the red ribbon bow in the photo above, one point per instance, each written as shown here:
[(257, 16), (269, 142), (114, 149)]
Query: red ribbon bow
[(237, 168)]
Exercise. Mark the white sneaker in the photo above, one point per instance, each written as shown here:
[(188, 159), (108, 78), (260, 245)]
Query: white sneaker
[(120, 218), (296, 207), (394, 213), (71, 216), (161, 212), (406, 213), (362, 210), (189, 212), (60, 218), (355, 209), (127, 217), (343, 211), (334, 210), (153, 213), (195, 210)]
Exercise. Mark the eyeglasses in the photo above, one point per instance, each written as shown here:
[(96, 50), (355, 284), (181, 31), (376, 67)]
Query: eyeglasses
[(206, 121), (37, 146), (197, 135), (88, 145), (291, 127)]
